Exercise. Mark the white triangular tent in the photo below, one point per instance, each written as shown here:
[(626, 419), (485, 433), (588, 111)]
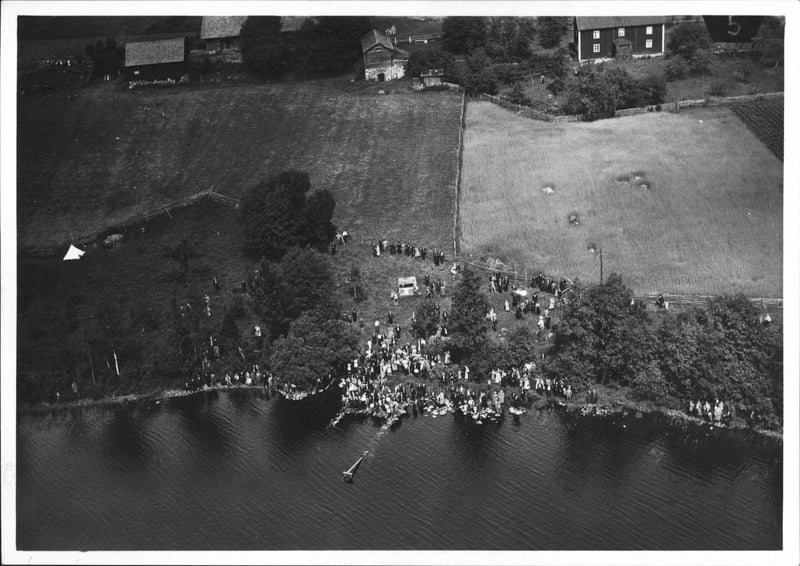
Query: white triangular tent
[(73, 253)]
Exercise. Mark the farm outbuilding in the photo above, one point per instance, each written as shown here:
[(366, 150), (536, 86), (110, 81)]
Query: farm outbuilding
[(155, 60), (222, 34), (432, 77), (604, 37), (383, 61)]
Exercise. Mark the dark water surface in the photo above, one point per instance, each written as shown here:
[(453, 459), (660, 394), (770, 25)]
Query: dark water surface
[(232, 470)]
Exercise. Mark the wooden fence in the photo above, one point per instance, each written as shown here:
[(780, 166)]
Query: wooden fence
[(85, 239), (416, 38), (532, 113), (523, 276), (459, 165)]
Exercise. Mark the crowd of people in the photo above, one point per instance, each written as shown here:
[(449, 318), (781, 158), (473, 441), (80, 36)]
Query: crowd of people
[(384, 246), (251, 377), (717, 413)]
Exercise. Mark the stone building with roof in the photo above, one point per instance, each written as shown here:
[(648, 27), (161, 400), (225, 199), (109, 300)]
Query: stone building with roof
[(602, 37), (155, 60), (383, 61)]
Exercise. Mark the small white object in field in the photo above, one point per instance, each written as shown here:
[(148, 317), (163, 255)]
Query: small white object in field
[(548, 190), (381, 92), (700, 121)]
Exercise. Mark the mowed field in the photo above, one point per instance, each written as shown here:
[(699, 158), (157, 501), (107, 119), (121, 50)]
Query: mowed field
[(709, 223), (94, 157)]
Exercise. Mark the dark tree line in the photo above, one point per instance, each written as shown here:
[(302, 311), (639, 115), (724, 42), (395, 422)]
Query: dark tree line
[(718, 350), (327, 45), (721, 349)]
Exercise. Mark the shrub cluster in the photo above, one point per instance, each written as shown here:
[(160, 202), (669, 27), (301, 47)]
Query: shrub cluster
[(598, 91), (718, 350)]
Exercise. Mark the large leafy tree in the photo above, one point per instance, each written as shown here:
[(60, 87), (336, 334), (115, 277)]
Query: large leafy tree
[(328, 45), (468, 316), (602, 337), (550, 31), (461, 34), (595, 93), (722, 350), (302, 281), (277, 215), (476, 74), (421, 61), (687, 38), (263, 51), (426, 319), (317, 346), (520, 346), (107, 57), (319, 211), (508, 38)]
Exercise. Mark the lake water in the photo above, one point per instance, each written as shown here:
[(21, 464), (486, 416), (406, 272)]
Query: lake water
[(234, 470)]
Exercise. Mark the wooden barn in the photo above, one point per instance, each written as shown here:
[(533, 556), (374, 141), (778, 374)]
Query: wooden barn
[(155, 60), (604, 37), (222, 33), (383, 61)]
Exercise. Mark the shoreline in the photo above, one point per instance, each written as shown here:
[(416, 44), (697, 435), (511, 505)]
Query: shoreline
[(122, 399), (614, 405)]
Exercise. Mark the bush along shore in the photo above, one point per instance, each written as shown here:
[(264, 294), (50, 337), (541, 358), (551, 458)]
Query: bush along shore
[(601, 353), (720, 363)]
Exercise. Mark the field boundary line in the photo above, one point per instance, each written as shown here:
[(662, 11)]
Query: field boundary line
[(459, 165), (676, 298), (676, 106), (131, 222)]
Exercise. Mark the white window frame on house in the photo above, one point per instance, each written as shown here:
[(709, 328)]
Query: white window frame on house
[(648, 30), (596, 48), (596, 34), (648, 43), (621, 32)]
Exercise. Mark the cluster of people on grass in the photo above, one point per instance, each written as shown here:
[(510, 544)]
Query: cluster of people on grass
[(384, 246), (434, 287), (339, 241), (716, 413), (373, 384), (251, 377), (547, 284)]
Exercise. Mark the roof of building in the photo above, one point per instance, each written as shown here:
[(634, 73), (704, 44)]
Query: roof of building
[(154, 52), (221, 26), (602, 22), (375, 37)]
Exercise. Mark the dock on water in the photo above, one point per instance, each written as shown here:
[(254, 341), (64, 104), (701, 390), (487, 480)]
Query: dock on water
[(348, 475)]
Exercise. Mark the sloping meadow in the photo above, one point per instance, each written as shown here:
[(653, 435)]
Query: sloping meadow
[(95, 157), (678, 203)]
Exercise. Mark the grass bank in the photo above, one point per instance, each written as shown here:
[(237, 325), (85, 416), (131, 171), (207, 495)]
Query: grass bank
[(97, 156), (709, 221)]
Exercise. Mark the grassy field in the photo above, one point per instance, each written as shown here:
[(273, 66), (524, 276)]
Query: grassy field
[(710, 223), (389, 160), (93, 157)]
